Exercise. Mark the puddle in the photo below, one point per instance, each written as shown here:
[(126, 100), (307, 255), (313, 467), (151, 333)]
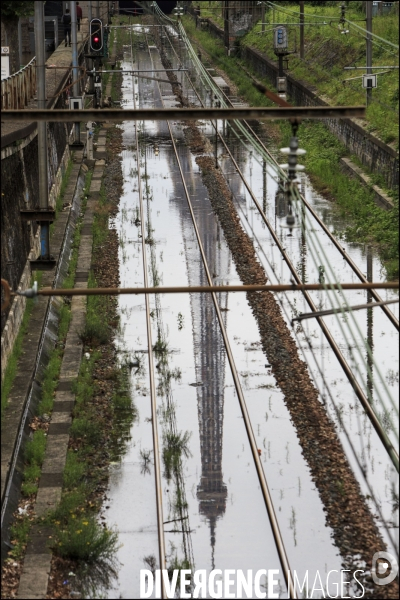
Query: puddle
[(371, 325), (213, 508)]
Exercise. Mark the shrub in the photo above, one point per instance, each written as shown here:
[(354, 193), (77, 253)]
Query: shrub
[(84, 539)]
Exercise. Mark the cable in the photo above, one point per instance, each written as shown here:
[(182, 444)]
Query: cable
[(337, 411)]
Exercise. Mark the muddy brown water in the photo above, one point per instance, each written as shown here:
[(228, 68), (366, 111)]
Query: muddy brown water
[(215, 488)]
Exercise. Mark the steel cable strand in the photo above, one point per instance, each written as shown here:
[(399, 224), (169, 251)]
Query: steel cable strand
[(221, 98), (378, 424), (350, 349), (317, 244)]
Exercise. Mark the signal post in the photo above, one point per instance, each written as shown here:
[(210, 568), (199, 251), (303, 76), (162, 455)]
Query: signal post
[(96, 43), (281, 50)]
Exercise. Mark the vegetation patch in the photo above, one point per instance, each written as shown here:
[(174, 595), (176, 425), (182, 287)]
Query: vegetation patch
[(11, 369)]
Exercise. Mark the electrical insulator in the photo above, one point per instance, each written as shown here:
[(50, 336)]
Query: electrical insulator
[(96, 35)]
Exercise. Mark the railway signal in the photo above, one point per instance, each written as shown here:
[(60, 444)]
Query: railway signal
[(280, 39), (96, 35)]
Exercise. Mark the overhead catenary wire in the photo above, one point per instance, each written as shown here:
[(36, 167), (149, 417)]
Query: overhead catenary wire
[(317, 363), (338, 413), (314, 249), (249, 430), (378, 426)]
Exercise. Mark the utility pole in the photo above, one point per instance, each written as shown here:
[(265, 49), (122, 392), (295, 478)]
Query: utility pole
[(42, 131), (263, 17), (75, 68), (19, 43), (97, 7), (369, 47), (226, 27), (302, 30)]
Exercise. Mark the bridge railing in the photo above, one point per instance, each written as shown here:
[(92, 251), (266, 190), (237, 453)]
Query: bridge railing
[(18, 89)]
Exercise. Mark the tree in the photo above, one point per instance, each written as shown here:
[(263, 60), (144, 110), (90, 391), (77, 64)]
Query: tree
[(10, 13)]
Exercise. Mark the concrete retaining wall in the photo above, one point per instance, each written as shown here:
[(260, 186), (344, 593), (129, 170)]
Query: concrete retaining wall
[(20, 189), (16, 312)]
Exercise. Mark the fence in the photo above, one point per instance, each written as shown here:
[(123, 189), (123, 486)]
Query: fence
[(18, 89)]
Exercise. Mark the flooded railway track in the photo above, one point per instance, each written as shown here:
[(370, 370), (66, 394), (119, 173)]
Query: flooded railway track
[(392, 451), (363, 397), (184, 171), (249, 430)]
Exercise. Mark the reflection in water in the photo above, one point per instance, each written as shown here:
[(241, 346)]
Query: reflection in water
[(370, 325), (94, 579), (208, 348)]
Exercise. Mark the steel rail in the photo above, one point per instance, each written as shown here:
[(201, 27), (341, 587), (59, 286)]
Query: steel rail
[(311, 314), (249, 430), (153, 397), (179, 476), (392, 452), (183, 114)]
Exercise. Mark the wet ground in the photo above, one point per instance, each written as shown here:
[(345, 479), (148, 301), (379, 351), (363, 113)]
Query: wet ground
[(212, 502)]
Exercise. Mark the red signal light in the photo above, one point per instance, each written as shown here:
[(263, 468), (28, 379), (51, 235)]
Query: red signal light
[(96, 35)]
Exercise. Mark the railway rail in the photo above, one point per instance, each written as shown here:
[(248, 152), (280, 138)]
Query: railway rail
[(364, 400), (153, 397), (281, 550), (264, 486), (212, 289)]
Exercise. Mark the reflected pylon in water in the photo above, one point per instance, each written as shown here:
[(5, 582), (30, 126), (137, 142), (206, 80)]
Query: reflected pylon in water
[(208, 346)]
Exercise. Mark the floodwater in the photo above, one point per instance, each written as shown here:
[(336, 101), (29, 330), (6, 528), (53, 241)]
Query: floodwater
[(213, 510)]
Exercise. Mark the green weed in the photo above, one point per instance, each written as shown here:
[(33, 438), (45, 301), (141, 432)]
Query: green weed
[(19, 536), (85, 429), (35, 448), (84, 539), (11, 369), (74, 470)]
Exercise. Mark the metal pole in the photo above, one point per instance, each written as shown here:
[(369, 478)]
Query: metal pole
[(227, 28), (75, 66), (19, 43), (97, 8), (369, 47), (42, 128), (263, 18), (302, 30), (187, 114), (264, 185), (204, 289), (280, 58), (90, 64)]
